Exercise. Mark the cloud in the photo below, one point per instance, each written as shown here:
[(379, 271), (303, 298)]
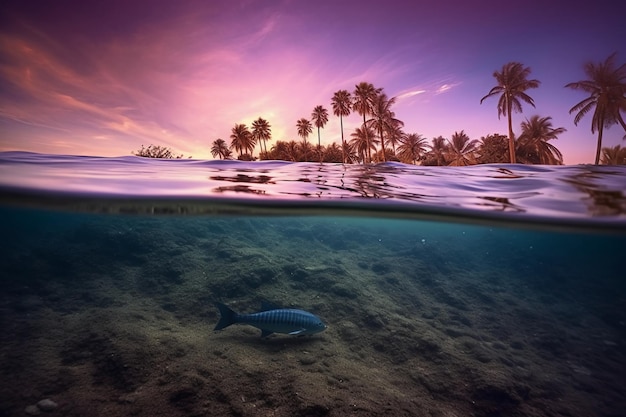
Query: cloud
[(409, 93), (445, 87), (131, 91), (267, 28)]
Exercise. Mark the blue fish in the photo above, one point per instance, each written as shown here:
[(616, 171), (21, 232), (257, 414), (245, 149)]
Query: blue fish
[(273, 320)]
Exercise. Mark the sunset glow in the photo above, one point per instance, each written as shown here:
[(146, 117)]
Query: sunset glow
[(103, 78)]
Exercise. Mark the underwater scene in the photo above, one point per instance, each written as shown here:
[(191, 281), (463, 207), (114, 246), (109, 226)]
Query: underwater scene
[(110, 311)]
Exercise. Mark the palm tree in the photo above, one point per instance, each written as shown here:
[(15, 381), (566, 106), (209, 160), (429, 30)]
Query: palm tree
[(387, 155), (383, 118), (241, 140), (306, 149), (261, 132), (493, 149), (412, 147), (614, 156), (319, 118), (394, 133), (333, 153), (304, 130), (512, 83), (364, 96), (220, 148), (438, 152), (292, 151), (533, 146), (285, 151), (342, 105), (350, 153), (278, 151), (461, 150), (362, 139), (607, 93)]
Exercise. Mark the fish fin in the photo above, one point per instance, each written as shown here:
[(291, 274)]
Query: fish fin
[(227, 316), (267, 306), (265, 333), (297, 332)]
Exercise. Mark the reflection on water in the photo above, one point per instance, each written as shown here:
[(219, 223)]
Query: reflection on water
[(604, 191), (606, 203), (502, 203), (530, 191)]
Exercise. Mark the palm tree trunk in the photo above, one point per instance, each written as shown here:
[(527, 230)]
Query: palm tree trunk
[(319, 143), (511, 138), (367, 139), (343, 144), (382, 143), (599, 147)]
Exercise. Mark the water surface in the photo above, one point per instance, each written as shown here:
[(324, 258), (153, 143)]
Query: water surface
[(584, 195)]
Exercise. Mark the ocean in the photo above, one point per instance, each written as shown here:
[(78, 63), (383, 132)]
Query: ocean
[(495, 290)]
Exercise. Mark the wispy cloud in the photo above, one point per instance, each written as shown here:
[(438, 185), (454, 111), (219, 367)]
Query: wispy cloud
[(52, 89), (410, 93), (445, 88)]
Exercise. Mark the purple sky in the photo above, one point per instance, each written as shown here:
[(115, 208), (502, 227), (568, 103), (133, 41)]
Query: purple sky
[(105, 77)]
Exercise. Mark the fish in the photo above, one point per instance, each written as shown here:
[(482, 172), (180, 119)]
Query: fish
[(273, 320)]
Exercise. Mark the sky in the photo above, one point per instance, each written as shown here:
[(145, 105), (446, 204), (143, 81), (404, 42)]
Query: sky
[(106, 77)]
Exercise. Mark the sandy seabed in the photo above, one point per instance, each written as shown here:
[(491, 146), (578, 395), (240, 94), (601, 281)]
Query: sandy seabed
[(114, 317)]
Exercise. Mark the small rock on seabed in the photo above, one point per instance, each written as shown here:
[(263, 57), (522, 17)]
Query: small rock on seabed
[(43, 405), (32, 410)]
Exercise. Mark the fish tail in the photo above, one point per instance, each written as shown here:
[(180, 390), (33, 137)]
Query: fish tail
[(227, 316)]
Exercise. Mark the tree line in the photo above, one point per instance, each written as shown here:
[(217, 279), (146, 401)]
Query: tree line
[(381, 137)]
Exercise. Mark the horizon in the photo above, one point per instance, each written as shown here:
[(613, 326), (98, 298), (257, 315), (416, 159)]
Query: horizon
[(103, 79)]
